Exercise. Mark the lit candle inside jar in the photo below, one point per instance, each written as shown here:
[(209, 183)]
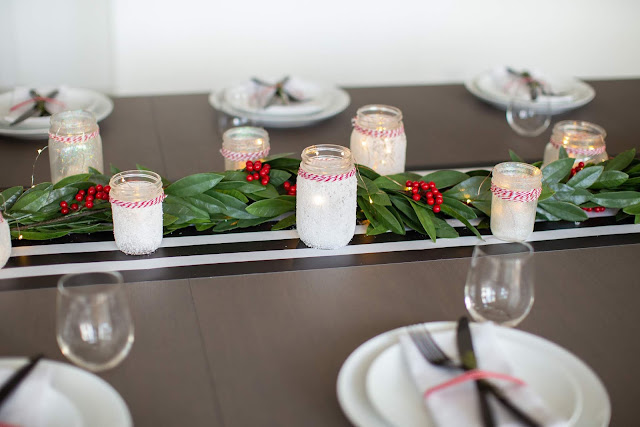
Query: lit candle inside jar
[(242, 144), (378, 139), (583, 141)]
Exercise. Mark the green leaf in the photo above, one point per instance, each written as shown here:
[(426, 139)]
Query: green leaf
[(233, 193), (366, 184), (206, 203), (243, 223), (586, 177), (618, 199), (205, 226), (634, 169), (168, 219), (621, 161), (52, 204), (478, 172), (564, 210), (368, 172), (233, 207), (8, 197), (278, 177), (373, 231), (83, 177), (271, 158), (268, 192), (547, 192), (468, 189), (284, 223), (557, 171), (367, 209), (384, 182), (38, 235), (291, 165), (562, 153), (235, 176), (544, 215), (483, 206), (610, 179), (459, 207), (443, 229), (114, 170), (271, 208), (425, 219), (193, 184), (31, 201), (515, 157), (226, 225), (452, 213), (402, 178), (242, 186), (566, 193), (183, 210), (386, 218), (445, 178)]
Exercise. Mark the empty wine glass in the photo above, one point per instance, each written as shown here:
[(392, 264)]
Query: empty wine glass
[(529, 109), (94, 326), (499, 285)]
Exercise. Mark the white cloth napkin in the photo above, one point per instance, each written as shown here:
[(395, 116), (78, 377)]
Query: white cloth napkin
[(35, 403), (20, 94), (458, 405), (500, 83)]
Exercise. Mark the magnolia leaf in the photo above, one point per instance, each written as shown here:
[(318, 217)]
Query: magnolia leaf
[(474, 188), (194, 184), (425, 219), (459, 207), (619, 199), (278, 177), (8, 197), (445, 178), (271, 208), (285, 223), (562, 153), (557, 171), (610, 179), (31, 201), (621, 161), (73, 179), (515, 157), (564, 210), (586, 177)]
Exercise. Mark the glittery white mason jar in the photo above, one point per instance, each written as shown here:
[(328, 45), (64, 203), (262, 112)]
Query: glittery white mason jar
[(74, 144), (242, 144), (378, 139), (583, 141), (5, 241), (136, 204), (516, 188), (326, 197)]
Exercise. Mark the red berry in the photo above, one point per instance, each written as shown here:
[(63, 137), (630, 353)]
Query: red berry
[(64, 211), (266, 165), (416, 197), (63, 204), (436, 208), (286, 185), (581, 165), (430, 201), (588, 209), (249, 178), (257, 165), (429, 194), (294, 188), (89, 198), (249, 168), (263, 172), (89, 205), (98, 188), (424, 186), (432, 184), (99, 195), (438, 201), (415, 190), (105, 196), (600, 209), (79, 197), (435, 191), (409, 183), (264, 181), (74, 207), (106, 189), (82, 192), (249, 163), (91, 190)]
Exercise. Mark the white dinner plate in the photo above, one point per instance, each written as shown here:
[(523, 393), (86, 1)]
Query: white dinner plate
[(576, 93), (38, 127), (98, 404), (590, 407)]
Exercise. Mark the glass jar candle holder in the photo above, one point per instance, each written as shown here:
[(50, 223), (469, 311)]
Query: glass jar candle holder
[(583, 141), (136, 204), (378, 139), (326, 197), (74, 144), (516, 188), (242, 144), (5, 241)]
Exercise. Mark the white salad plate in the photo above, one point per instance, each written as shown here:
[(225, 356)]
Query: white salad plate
[(375, 389)]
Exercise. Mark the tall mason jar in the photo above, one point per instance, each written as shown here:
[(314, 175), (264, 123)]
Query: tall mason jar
[(242, 144), (326, 197), (136, 205), (378, 139), (516, 188), (583, 141), (74, 144), (5, 241)]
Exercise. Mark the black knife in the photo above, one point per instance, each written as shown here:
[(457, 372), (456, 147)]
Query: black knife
[(15, 380), (37, 108), (469, 362)]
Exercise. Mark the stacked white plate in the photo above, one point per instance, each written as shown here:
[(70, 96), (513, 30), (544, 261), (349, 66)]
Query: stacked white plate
[(251, 100), (494, 86), (375, 388), (38, 127)]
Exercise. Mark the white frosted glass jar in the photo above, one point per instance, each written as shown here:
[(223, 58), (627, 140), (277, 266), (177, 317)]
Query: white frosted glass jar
[(5, 241), (136, 204), (242, 144), (516, 188), (74, 144), (583, 141), (326, 197), (378, 139)]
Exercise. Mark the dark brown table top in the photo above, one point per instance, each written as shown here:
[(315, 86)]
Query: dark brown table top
[(265, 349)]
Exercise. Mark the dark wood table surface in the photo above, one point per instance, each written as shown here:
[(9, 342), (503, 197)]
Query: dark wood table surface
[(265, 349)]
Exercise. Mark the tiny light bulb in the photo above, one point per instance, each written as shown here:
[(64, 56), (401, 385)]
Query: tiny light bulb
[(468, 201), (39, 150), (370, 200), (20, 237)]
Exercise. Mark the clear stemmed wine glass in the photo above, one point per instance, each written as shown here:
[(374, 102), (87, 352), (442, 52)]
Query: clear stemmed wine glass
[(94, 328), (529, 109), (500, 283)]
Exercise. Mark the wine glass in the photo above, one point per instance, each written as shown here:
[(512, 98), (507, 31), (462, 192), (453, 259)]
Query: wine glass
[(94, 328), (499, 285), (529, 109)]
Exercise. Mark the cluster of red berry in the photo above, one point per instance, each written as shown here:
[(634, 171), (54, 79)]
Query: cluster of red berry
[(291, 189), (258, 171), (88, 197), (596, 209), (577, 169), (430, 191)]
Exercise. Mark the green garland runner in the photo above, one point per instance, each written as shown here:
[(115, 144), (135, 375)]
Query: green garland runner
[(219, 202)]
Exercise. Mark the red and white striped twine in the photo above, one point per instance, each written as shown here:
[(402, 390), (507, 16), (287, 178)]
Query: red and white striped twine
[(516, 196), (135, 205), (243, 157), (388, 133), (326, 178), (579, 151), (75, 138), (1, 218)]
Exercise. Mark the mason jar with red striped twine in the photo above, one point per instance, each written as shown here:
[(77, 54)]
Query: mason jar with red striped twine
[(325, 178), (135, 205), (377, 133), (516, 196), (578, 151), (244, 156), (74, 138)]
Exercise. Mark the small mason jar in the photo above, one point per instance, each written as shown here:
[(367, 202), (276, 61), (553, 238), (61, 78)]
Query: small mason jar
[(516, 188), (242, 144), (136, 204), (326, 197), (583, 141), (74, 144), (5, 241), (378, 139)]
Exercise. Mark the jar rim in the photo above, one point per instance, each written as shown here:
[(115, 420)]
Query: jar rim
[(245, 132), (595, 131), (73, 121), (517, 175), (393, 113), (313, 156), (118, 181)]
